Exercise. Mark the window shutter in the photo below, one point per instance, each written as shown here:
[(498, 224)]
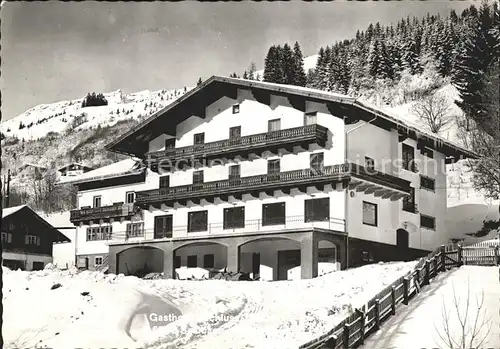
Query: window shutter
[(26, 239), (9, 237), (38, 241)]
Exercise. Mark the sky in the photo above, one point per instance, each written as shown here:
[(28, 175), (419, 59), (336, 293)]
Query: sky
[(53, 51)]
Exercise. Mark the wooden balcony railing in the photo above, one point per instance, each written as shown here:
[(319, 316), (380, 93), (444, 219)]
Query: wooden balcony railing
[(223, 147), (302, 177), (117, 210)]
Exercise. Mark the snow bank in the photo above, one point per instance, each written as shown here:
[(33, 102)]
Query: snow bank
[(323, 268), (94, 310)]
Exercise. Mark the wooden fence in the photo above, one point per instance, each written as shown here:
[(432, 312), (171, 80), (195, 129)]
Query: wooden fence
[(352, 331)]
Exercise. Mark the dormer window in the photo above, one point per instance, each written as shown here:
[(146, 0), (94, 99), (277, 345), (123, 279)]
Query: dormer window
[(236, 109)]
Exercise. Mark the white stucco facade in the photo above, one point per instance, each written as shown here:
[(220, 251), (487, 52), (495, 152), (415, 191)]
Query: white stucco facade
[(379, 144)]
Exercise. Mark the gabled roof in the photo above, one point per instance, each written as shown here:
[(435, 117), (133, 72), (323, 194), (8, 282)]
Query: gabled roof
[(136, 140), (11, 211), (117, 169), (74, 164)]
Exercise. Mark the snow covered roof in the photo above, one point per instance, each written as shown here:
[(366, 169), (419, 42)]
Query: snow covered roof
[(74, 164), (117, 169), (32, 165), (56, 234), (134, 142), (10, 210)]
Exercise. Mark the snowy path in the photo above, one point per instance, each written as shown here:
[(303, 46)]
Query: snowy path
[(419, 324)]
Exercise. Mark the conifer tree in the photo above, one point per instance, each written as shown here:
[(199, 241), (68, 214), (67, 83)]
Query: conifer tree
[(479, 51), (299, 73), (288, 65)]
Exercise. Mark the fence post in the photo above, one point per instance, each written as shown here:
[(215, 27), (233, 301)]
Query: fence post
[(443, 258), (362, 329), (497, 254), (347, 334), (377, 314), (405, 290), (331, 342), (460, 257), (427, 269), (435, 264), (393, 300)]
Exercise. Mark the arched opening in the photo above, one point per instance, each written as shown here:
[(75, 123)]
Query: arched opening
[(189, 258), (402, 239), (328, 257), (269, 258), (140, 261)]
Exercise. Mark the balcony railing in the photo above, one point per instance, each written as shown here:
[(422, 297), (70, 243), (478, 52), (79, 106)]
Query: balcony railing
[(247, 226), (117, 210), (295, 178), (223, 147)]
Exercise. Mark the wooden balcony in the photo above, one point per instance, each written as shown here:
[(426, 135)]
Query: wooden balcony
[(117, 211), (246, 147), (370, 181)]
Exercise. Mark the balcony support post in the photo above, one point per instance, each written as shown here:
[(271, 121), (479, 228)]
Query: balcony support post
[(233, 254), (168, 260), (309, 256)]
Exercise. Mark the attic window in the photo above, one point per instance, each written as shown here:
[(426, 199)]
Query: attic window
[(236, 109)]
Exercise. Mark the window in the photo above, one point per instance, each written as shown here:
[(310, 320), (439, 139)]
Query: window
[(369, 213), (97, 201), (98, 261), (135, 229), (274, 125), (317, 210), (163, 227), (234, 172), (177, 262), (409, 158), (197, 221), (32, 240), (6, 237), (192, 261), (316, 161), (409, 202), (427, 152), (234, 217), (170, 143), (273, 166), (236, 109), (164, 181), (208, 261), (130, 197), (102, 232), (310, 118), (369, 163), (235, 132), (199, 138), (38, 265), (427, 183), (273, 214), (198, 177), (427, 222)]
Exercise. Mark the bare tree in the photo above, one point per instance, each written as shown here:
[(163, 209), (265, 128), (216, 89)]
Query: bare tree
[(434, 111), (471, 326)]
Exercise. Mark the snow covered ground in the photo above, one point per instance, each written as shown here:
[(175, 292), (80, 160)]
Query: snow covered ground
[(94, 310), (420, 324)]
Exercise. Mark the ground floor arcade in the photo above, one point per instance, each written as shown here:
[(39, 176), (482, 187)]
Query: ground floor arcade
[(268, 256)]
